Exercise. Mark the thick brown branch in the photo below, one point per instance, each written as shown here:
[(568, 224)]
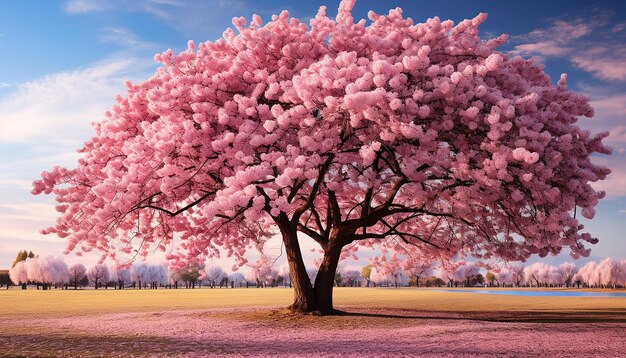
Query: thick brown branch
[(179, 211), (314, 190), (335, 211), (313, 234)]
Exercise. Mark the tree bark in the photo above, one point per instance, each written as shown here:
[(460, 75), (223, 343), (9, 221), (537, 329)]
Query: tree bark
[(325, 279), (303, 294)]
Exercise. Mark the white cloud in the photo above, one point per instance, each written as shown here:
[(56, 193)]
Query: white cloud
[(188, 16), (124, 37), (4, 85), (86, 6), (15, 183), (42, 123), (63, 105), (28, 212), (192, 16)]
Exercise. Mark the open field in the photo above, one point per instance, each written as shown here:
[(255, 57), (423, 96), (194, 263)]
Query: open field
[(378, 321)]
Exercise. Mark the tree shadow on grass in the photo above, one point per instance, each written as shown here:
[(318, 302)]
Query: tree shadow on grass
[(612, 315)]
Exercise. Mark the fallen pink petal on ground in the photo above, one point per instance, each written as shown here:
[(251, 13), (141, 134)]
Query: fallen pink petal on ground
[(221, 332)]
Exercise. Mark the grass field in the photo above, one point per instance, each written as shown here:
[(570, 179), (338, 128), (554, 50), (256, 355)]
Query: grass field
[(248, 321), (59, 303)]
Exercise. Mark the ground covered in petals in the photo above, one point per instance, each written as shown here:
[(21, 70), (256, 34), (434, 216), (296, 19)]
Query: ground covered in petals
[(378, 322)]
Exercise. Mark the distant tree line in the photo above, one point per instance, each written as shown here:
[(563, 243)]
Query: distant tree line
[(393, 271)]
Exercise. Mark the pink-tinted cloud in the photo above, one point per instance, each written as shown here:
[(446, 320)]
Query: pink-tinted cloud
[(563, 31), (603, 62), (610, 115), (619, 27), (615, 184), (544, 48), (593, 45)]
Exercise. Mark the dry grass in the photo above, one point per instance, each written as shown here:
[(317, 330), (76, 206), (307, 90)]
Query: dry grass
[(395, 302), (58, 303), (435, 300)]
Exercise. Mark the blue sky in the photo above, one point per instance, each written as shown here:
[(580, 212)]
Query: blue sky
[(63, 62)]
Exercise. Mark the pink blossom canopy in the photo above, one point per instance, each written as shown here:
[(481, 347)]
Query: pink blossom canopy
[(393, 131)]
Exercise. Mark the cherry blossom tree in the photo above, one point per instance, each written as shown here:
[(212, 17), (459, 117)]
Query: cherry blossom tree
[(214, 275), (465, 271), (379, 277), (536, 274), (411, 260), (190, 273), (567, 272), (352, 133), (608, 272), (504, 276), (98, 275), (588, 274), (235, 279), (172, 278), (517, 274), (46, 271), (283, 273), (156, 275), (391, 268), (76, 273), (18, 274), (417, 266), (139, 274), (351, 278), (262, 272), (446, 272), (542, 274), (119, 276)]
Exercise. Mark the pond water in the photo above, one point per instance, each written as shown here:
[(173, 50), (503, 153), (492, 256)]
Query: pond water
[(544, 293)]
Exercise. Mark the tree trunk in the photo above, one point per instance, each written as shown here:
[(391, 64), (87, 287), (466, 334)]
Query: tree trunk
[(326, 277), (303, 294)]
